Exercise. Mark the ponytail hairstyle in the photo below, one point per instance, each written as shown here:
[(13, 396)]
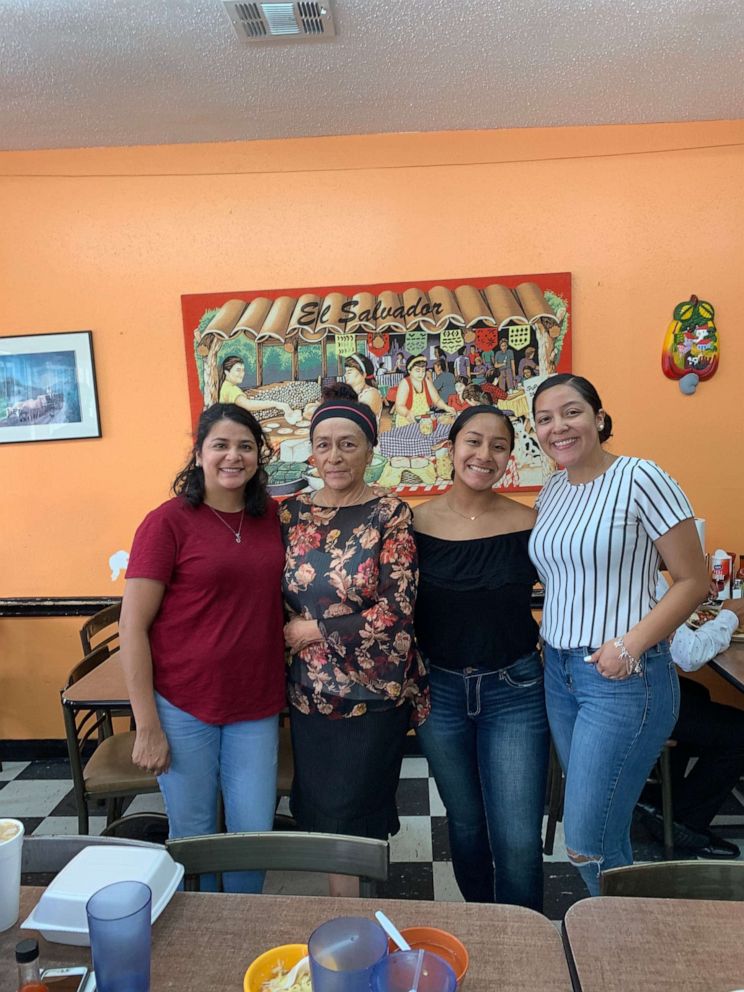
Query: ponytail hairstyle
[(225, 368), (362, 364), (474, 411), (586, 391)]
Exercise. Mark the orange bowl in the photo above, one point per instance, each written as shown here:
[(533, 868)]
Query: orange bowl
[(446, 945), (265, 966)]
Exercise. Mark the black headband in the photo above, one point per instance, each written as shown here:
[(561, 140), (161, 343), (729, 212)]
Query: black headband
[(473, 411), (358, 413)]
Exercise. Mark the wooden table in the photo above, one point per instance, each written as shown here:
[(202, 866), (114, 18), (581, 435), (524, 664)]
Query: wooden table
[(103, 688), (730, 664), (655, 945), (205, 942)]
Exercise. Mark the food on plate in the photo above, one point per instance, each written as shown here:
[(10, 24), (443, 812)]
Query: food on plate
[(704, 613)]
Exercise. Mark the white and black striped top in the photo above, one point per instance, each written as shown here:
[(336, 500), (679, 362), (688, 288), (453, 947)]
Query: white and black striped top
[(593, 549)]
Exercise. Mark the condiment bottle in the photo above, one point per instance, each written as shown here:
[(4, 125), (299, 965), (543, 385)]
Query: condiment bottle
[(27, 956), (720, 572), (737, 592)]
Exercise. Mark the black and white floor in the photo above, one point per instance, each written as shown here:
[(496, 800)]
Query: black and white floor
[(40, 794)]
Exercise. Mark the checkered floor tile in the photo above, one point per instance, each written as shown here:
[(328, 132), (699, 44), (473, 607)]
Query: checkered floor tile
[(40, 794)]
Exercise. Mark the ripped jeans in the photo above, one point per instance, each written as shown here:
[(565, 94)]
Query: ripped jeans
[(608, 734)]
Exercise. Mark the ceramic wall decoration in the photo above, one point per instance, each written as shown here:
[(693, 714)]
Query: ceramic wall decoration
[(691, 348)]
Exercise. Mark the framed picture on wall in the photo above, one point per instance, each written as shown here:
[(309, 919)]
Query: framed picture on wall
[(48, 387)]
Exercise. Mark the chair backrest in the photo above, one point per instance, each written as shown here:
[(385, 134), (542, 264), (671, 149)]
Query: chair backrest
[(150, 827), (722, 880), (50, 854), (92, 660), (82, 724), (97, 625), (365, 857)]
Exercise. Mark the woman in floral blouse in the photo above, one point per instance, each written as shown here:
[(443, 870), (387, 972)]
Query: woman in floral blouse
[(356, 680)]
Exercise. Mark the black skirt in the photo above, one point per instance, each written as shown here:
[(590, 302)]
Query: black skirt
[(347, 771)]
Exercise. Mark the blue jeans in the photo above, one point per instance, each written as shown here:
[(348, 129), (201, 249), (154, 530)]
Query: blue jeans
[(238, 758), (608, 734), (486, 742)]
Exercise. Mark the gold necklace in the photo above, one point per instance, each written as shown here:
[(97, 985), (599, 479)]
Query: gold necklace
[(235, 533), (466, 516)]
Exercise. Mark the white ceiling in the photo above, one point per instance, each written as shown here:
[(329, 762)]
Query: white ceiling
[(81, 73)]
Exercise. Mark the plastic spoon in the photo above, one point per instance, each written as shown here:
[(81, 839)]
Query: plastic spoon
[(290, 978), (392, 931)]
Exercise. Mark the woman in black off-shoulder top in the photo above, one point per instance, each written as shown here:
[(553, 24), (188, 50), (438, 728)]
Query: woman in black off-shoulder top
[(487, 737)]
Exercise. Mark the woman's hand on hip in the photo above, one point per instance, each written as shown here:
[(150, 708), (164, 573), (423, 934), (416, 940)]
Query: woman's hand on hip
[(151, 751), (298, 633), (608, 662)]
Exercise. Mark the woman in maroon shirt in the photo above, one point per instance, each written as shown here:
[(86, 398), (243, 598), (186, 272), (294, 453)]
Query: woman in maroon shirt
[(201, 636)]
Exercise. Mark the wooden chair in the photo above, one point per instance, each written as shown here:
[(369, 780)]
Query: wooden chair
[(285, 770), (42, 857), (285, 774), (663, 773), (557, 785), (108, 773), (104, 623), (722, 880), (364, 857), (103, 629), (149, 827), (555, 790)]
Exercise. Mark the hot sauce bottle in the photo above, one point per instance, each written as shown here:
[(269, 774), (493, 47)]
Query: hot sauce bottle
[(27, 957)]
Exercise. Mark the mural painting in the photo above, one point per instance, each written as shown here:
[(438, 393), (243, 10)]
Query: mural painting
[(417, 355)]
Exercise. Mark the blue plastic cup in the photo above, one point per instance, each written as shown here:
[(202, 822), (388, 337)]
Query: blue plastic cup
[(120, 936), (343, 953), (405, 971)]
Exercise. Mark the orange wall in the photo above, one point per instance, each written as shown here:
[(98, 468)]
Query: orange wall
[(108, 239)]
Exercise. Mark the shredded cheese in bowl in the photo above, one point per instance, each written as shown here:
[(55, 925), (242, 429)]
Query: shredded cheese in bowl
[(278, 984)]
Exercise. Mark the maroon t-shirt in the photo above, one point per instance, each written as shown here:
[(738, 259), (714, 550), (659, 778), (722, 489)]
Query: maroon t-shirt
[(217, 641)]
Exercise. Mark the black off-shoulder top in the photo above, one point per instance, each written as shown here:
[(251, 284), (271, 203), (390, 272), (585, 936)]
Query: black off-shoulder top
[(473, 602)]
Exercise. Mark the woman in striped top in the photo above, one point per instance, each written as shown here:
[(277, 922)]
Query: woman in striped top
[(611, 688)]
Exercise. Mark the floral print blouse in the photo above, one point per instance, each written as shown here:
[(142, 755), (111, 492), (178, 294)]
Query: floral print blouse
[(353, 569)]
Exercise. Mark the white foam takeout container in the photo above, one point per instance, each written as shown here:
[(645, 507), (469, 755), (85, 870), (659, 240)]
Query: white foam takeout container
[(60, 913)]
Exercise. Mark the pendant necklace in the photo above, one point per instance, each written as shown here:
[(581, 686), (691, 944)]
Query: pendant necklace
[(235, 533), (467, 516)]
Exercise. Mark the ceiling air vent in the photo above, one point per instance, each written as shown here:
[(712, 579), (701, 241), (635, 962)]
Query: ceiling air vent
[(302, 19)]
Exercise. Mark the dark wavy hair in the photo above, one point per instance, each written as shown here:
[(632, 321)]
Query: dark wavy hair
[(189, 483), (586, 390)]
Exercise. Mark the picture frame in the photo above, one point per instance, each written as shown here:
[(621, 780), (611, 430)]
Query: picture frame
[(48, 387)]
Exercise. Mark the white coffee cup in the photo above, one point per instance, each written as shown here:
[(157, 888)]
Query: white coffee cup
[(11, 845)]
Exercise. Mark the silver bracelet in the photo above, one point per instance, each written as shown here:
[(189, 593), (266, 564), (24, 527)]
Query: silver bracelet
[(633, 665)]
